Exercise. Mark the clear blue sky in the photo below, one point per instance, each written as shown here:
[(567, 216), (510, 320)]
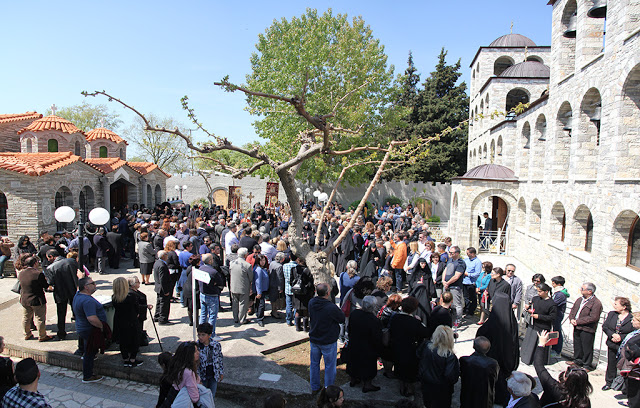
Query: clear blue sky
[(150, 54)]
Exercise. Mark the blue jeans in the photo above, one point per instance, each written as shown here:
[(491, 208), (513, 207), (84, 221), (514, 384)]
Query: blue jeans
[(289, 302), (87, 358), (211, 384), (3, 259), (398, 273), (209, 312), (329, 352)]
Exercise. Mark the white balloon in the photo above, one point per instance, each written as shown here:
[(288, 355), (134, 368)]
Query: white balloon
[(64, 214), (99, 216), (316, 193), (323, 197)]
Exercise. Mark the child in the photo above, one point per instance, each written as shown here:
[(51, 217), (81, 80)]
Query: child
[(210, 369), (560, 295), (163, 360)]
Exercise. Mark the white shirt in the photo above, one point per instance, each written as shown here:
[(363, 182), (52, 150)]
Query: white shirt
[(229, 240), (268, 250), (512, 402)]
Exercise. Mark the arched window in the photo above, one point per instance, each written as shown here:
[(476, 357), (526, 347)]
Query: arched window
[(158, 194), (52, 145), (87, 200), (526, 135), (514, 98), (535, 58), (535, 217), (4, 206), (493, 151), (501, 65), (63, 197), (76, 148), (29, 146), (582, 229), (633, 250), (103, 151), (121, 153), (558, 221)]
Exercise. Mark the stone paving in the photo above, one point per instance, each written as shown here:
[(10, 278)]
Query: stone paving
[(243, 348)]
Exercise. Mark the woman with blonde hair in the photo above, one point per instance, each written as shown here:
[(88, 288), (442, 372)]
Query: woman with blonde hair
[(438, 368), (125, 321)]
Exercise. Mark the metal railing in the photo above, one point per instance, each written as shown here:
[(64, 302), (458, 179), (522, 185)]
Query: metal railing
[(493, 242)]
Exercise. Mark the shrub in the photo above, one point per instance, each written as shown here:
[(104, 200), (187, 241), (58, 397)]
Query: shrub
[(393, 200), (355, 204), (434, 218)]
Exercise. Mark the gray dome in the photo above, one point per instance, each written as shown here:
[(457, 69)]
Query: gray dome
[(526, 69), (489, 172), (513, 40)]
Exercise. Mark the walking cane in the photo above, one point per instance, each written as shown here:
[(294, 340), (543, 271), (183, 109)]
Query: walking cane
[(156, 330)]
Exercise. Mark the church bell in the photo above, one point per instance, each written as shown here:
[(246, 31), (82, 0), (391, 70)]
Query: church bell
[(599, 9), (571, 28)]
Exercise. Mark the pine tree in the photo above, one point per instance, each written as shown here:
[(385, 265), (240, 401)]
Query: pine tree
[(410, 82), (438, 105)]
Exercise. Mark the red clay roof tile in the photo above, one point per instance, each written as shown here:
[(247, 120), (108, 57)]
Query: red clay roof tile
[(36, 164), (106, 165), (102, 133), (145, 167), (17, 117), (52, 122)]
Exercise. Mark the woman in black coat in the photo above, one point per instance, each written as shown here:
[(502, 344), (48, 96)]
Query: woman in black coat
[(616, 326), (439, 369), (187, 287), (501, 328), (406, 333), (301, 300), (365, 345), (420, 273), (543, 312), (125, 321)]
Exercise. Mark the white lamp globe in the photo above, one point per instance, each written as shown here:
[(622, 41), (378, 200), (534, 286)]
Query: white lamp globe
[(307, 190), (64, 214), (298, 190), (99, 216), (177, 188), (184, 187), (323, 197), (316, 193)]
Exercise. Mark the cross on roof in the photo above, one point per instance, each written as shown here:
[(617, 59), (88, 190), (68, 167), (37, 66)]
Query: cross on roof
[(101, 121), (53, 108), (512, 27)]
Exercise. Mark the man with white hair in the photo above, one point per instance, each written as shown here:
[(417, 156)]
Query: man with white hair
[(163, 288), (519, 386), (267, 249), (230, 238), (584, 316), (241, 279)]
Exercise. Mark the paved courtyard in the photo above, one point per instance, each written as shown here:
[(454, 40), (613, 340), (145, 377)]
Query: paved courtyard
[(249, 374)]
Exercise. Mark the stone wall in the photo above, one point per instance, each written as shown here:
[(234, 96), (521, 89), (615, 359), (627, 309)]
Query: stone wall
[(438, 193), (9, 139)]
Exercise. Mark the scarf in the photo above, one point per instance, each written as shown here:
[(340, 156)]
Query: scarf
[(625, 341)]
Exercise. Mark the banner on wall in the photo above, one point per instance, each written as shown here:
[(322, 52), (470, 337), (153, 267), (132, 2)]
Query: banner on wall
[(235, 193), (271, 196)]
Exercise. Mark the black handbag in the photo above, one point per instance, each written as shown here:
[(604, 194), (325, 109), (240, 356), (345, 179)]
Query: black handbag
[(618, 383)]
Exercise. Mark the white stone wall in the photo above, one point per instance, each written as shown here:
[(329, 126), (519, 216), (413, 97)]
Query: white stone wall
[(571, 175)]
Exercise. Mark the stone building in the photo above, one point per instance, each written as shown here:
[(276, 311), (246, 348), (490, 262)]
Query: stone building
[(560, 180), (47, 162)]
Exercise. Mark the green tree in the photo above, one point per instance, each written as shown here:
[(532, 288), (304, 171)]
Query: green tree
[(409, 84), (87, 117), (335, 65), (165, 150), (439, 105)]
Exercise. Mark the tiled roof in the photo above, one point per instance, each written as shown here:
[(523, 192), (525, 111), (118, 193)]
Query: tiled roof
[(145, 167), (106, 165), (489, 172), (52, 122), (36, 164), (102, 133), (17, 117)]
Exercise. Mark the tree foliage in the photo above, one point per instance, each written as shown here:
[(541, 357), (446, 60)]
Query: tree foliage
[(440, 105), (165, 150), (87, 117), (321, 58)]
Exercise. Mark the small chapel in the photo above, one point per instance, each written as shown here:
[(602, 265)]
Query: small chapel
[(48, 162)]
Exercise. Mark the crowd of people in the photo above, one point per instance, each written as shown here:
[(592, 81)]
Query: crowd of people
[(402, 299)]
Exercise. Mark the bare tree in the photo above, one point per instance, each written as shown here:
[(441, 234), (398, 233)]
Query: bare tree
[(315, 141)]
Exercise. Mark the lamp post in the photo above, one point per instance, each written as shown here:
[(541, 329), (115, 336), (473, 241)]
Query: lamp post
[(307, 191), (299, 191), (98, 216), (180, 189)]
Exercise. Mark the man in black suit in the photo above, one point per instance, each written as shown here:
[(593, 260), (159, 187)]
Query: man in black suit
[(103, 251), (62, 274), (115, 240), (163, 288), (478, 373)]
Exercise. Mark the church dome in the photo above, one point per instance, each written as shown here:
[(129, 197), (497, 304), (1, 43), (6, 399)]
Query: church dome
[(492, 172), (526, 69), (52, 122), (102, 133), (513, 40)]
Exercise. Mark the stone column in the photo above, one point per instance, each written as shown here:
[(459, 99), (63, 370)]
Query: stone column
[(106, 190), (143, 184)]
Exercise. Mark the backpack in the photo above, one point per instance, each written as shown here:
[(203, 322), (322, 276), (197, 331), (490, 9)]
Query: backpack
[(297, 287)]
